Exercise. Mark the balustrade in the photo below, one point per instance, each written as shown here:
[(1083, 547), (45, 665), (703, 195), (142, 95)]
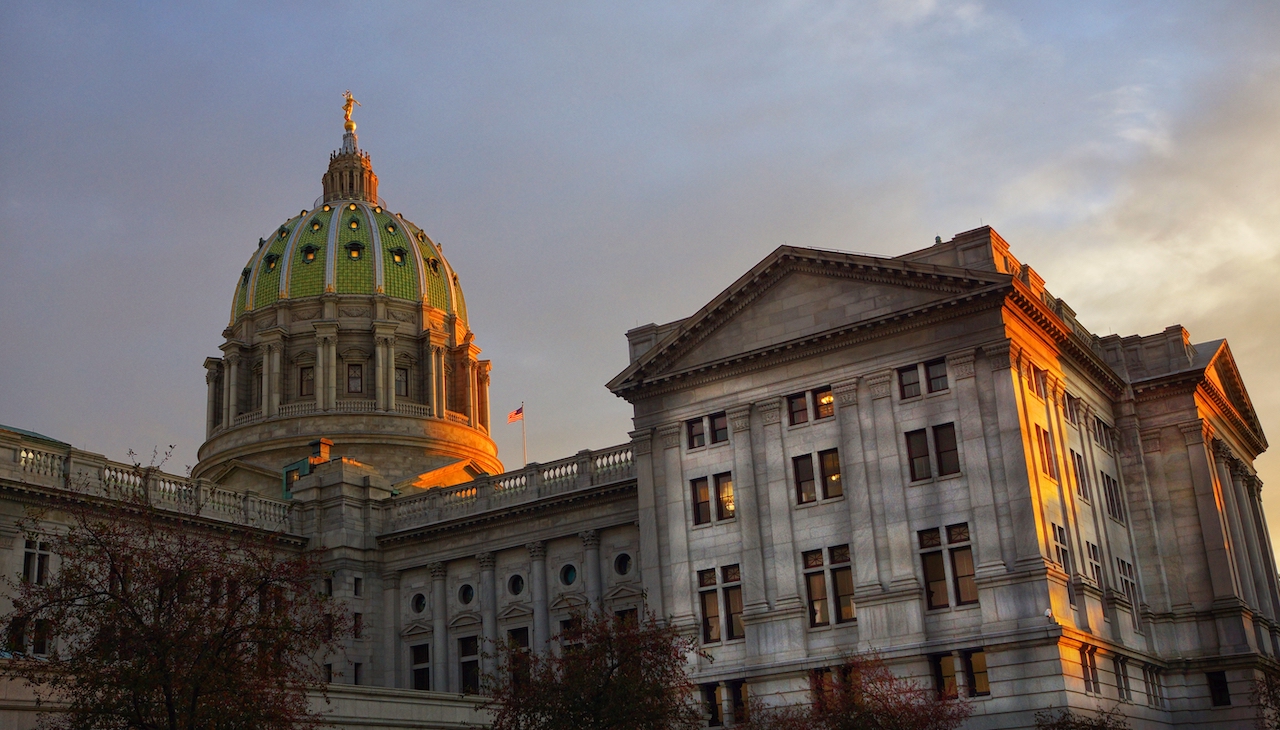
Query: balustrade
[(413, 409)]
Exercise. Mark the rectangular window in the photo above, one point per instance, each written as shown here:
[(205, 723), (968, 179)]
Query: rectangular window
[(306, 381), (909, 382), (918, 455), (1089, 668), (357, 625), (357, 673), (1039, 384), (402, 382), (1121, 665), (469, 664), (1153, 686), (962, 568), (35, 562), (1073, 410), (701, 501), (358, 587), (1082, 476), (697, 433), (1045, 444), (1095, 564), (798, 409), (711, 700), (816, 584), (975, 668), (842, 580), (328, 586), (1111, 493), (935, 579), (420, 661), (724, 496), (1219, 692), (355, 378), (710, 616), (328, 673), (733, 613), (719, 428), (944, 441), (41, 637), (829, 463), (1103, 434), (806, 491), (1129, 586), (824, 403), (944, 674), (1062, 554), (936, 372)]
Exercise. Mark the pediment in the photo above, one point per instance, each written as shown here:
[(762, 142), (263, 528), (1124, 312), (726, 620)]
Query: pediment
[(624, 592), (415, 628), (794, 296), (515, 610), (567, 601), (466, 618), (1224, 374)]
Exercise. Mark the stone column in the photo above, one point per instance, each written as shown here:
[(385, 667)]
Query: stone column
[(264, 388), (747, 510), (326, 365), (726, 705), (439, 628), (1262, 591), (1212, 525), (379, 374), (472, 407), (678, 521), (853, 469), (1029, 549), (780, 499), (647, 518), (277, 379), (538, 592), (394, 667), (212, 366), (1221, 459), (488, 612), (977, 471), (233, 393), (591, 569), (902, 572)]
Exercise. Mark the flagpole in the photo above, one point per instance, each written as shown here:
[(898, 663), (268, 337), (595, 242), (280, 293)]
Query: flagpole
[(524, 445)]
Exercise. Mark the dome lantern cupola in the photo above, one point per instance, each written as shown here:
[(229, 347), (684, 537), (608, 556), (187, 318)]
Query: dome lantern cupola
[(350, 175)]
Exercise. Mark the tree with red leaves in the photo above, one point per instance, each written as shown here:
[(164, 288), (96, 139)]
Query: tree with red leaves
[(609, 673), (161, 621), (862, 694)]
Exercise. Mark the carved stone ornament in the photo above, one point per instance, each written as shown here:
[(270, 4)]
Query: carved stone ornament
[(879, 385), (641, 442), (770, 411), (1196, 432), (1222, 451), (1000, 356), (438, 571), (400, 316), (590, 539), (485, 560), (846, 393), (1150, 441), (537, 550), (740, 419), (306, 314), (960, 365), (669, 435), (353, 311)]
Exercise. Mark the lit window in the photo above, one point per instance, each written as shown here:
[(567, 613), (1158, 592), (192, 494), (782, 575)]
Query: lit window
[(351, 207), (353, 223), (944, 674), (701, 501), (327, 208), (391, 228), (316, 225), (829, 461), (271, 260), (824, 403), (309, 254), (724, 496), (975, 669), (354, 250), (399, 256)]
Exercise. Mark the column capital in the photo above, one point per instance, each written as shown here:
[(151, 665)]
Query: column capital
[(1196, 432), (641, 442), (960, 364), (485, 560), (391, 579), (669, 435), (1222, 451), (740, 418), (770, 411), (879, 384), (846, 392), (537, 550), (590, 539), (438, 570), (1001, 355)]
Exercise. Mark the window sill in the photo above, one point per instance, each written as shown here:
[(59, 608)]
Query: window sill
[(798, 425), (817, 502), (933, 393), (935, 480), (713, 523)]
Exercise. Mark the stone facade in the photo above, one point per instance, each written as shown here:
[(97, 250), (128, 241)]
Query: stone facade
[(925, 456)]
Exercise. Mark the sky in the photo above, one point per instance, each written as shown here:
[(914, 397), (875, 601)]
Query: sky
[(589, 167)]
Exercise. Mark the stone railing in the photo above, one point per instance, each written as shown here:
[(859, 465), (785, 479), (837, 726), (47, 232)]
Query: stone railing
[(68, 470), (457, 417), (584, 470), (413, 409), (362, 405), (301, 408), (250, 417)]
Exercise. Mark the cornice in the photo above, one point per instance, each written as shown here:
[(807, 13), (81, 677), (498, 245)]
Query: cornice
[(1030, 305)]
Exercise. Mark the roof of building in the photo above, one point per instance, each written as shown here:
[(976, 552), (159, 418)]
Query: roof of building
[(32, 434)]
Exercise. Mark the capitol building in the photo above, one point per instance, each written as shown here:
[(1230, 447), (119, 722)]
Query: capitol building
[(924, 455)]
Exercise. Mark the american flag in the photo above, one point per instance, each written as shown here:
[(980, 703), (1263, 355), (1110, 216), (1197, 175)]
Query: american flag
[(516, 415)]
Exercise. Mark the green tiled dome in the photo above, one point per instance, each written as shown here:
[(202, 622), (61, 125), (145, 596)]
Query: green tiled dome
[(347, 247)]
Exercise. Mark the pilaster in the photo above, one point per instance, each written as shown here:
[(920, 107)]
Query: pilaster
[(647, 516), (439, 628), (538, 594)]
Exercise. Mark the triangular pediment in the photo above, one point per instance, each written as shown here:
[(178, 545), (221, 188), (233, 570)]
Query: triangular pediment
[(624, 592), (515, 610), (568, 601), (794, 296), (466, 618), (416, 627), (1223, 373)]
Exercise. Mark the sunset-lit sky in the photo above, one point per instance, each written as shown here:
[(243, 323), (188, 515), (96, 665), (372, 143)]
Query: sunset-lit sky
[(594, 166)]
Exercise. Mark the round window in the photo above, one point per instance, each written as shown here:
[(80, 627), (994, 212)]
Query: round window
[(515, 585), (622, 564), (419, 603), (466, 594), (568, 574)]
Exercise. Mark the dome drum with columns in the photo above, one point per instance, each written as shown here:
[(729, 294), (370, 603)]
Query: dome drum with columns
[(348, 324)]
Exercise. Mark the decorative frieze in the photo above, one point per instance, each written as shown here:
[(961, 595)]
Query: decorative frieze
[(485, 560), (590, 539), (641, 442), (879, 385), (669, 435), (1150, 440), (846, 393), (537, 550), (1001, 355), (770, 411), (438, 570), (740, 418), (960, 365)]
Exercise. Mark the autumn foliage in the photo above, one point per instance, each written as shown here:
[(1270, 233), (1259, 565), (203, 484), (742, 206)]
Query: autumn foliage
[(862, 694), (608, 673), (151, 620)]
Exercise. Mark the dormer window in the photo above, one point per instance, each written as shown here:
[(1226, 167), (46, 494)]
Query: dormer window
[(282, 232), (316, 225), (391, 228), (353, 223), (351, 207), (309, 254), (377, 209), (398, 255), (327, 208), (434, 265), (271, 260), (354, 250)]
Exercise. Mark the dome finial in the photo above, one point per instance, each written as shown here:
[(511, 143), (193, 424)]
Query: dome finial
[(350, 101)]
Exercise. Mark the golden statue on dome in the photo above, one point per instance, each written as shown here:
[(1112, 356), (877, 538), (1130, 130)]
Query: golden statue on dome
[(350, 102)]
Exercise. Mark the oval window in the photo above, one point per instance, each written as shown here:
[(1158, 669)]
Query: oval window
[(315, 225), (327, 208), (351, 207), (309, 254), (466, 594), (419, 603), (515, 585), (377, 209), (568, 575), (354, 224), (622, 564)]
